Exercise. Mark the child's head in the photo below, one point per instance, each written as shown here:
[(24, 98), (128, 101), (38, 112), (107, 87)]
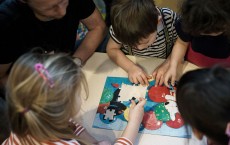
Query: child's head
[(203, 99), (43, 94), (205, 16), (134, 21)]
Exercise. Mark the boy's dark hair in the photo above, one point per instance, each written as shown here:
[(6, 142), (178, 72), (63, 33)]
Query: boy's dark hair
[(203, 99), (205, 16), (133, 20)]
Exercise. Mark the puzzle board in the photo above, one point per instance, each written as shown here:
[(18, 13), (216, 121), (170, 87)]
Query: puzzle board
[(161, 115)]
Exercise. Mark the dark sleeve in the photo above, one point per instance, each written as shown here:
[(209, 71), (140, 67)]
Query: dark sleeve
[(183, 36), (8, 14), (85, 8)]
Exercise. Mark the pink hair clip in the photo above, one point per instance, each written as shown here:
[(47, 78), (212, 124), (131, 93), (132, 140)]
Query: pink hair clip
[(44, 74)]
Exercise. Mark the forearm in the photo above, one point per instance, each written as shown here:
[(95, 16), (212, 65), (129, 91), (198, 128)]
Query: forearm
[(96, 33), (90, 43), (178, 52), (167, 61), (117, 56), (131, 132), (136, 112)]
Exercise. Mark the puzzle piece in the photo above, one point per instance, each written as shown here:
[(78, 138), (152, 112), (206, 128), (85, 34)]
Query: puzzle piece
[(109, 114), (161, 113), (171, 107), (129, 91)]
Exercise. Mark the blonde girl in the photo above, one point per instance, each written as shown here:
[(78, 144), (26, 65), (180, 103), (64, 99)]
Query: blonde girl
[(42, 95)]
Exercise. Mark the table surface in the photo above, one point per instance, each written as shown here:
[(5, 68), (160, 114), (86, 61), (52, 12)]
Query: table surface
[(96, 70)]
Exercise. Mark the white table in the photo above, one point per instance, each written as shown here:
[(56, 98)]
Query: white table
[(96, 70)]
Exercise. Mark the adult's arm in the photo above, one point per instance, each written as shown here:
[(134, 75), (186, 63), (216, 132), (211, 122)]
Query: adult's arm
[(96, 33)]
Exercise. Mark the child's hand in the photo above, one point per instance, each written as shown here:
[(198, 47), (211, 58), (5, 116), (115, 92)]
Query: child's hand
[(159, 72), (170, 76), (136, 111), (137, 75)]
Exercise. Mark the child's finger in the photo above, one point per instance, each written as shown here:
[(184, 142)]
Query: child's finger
[(156, 81), (140, 80), (142, 102), (166, 81), (145, 79), (154, 74), (131, 79), (133, 104), (161, 81), (135, 80), (173, 81)]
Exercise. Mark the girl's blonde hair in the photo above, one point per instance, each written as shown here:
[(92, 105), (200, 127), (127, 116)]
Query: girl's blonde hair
[(37, 108)]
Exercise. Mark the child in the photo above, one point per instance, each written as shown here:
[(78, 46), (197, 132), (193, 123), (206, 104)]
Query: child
[(203, 99), (203, 30), (139, 28), (42, 95)]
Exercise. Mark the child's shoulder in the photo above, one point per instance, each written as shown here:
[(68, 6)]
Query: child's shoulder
[(167, 14), (167, 11)]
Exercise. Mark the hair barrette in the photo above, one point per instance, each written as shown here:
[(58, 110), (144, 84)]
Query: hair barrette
[(44, 74)]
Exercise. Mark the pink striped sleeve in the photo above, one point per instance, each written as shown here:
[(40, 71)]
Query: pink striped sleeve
[(78, 129), (123, 141)]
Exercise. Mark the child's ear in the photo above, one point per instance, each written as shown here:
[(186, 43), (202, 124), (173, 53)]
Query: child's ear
[(159, 19), (197, 133)]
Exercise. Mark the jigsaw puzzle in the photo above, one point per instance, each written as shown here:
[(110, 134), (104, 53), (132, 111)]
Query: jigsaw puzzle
[(161, 113)]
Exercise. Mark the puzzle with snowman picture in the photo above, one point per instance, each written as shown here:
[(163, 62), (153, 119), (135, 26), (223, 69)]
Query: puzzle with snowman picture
[(161, 115)]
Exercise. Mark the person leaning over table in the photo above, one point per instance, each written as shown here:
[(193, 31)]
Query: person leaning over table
[(52, 25), (47, 96), (139, 28), (203, 38)]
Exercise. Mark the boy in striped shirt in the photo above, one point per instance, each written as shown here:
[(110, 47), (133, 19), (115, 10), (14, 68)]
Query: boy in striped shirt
[(140, 28)]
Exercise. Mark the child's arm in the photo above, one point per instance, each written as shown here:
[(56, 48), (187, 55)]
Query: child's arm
[(135, 73), (158, 73), (136, 113), (177, 56), (82, 133)]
